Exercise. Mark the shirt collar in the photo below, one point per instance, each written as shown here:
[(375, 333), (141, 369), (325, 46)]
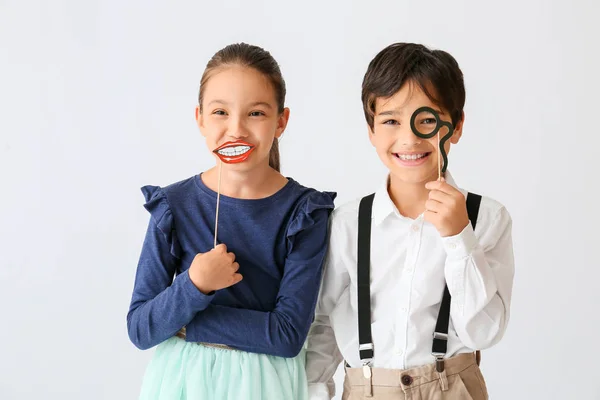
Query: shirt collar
[(383, 206)]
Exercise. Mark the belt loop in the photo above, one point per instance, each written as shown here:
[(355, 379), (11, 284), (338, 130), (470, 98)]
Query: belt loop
[(478, 357), (443, 380), (368, 375)]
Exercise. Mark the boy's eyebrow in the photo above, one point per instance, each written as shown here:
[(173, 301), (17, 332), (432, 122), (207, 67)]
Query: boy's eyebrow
[(257, 103), (390, 112), (398, 111)]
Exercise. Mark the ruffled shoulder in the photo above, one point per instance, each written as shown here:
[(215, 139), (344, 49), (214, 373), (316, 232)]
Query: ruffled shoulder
[(160, 211), (308, 207)]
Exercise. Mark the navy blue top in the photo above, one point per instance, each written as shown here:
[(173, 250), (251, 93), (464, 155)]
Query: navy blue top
[(279, 242)]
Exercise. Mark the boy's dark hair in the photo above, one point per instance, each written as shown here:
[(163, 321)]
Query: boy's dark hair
[(247, 55), (435, 71)]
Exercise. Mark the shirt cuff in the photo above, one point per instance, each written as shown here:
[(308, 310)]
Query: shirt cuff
[(461, 245), (198, 299), (318, 391)]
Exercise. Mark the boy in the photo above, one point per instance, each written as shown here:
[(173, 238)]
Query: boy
[(409, 301)]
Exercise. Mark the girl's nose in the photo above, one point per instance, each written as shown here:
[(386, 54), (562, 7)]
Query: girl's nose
[(237, 129)]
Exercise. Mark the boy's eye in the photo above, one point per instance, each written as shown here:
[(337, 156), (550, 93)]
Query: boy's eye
[(428, 121), (390, 122), (257, 114), (219, 112)]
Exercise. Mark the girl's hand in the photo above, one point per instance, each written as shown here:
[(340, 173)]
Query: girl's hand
[(214, 270)]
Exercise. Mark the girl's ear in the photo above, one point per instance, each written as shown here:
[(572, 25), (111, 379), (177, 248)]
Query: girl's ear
[(282, 122), (200, 120)]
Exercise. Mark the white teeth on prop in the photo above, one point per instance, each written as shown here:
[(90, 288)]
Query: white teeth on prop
[(408, 157), (234, 151)]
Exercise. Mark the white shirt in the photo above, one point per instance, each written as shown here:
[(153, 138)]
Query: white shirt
[(410, 264)]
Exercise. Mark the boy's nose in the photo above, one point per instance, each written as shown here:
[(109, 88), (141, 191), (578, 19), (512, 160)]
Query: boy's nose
[(408, 138)]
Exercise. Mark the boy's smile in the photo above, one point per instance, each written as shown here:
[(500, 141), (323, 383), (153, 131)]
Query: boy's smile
[(411, 159)]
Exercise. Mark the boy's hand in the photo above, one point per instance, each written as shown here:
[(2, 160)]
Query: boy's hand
[(446, 208)]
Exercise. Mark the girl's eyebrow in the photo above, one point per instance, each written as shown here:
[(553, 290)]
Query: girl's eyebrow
[(261, 103), (257, 103), (218, 102)]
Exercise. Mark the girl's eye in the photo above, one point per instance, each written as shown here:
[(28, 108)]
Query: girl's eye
[(219, 112), (257, 114)]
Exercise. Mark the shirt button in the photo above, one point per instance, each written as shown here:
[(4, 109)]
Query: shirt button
[(399, 352), (415, 228), (407, 380), (452, 245)]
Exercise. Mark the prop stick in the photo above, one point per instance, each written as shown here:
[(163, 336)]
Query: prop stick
[(218, 201), (230, 153)]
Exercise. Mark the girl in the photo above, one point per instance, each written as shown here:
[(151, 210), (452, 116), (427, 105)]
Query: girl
[(229, 272)]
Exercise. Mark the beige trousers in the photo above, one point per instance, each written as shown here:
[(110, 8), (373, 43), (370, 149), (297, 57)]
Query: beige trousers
[(460, 380)]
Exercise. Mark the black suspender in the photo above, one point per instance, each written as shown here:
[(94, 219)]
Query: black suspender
[(440, 336), (364, 279)]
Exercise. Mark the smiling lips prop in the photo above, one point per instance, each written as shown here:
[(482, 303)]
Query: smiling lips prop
[(230, 153), (234, 152)]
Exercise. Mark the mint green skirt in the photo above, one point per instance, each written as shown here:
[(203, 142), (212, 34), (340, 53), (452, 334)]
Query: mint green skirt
[(181, 370)]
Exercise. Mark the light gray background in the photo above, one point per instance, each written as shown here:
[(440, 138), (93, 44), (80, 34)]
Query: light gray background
[(97, 99)]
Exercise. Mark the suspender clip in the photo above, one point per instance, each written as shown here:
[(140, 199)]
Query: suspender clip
[(439, 362), (366, 346)]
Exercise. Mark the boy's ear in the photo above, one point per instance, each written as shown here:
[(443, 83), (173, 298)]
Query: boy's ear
[(456, 135), (371, 134)]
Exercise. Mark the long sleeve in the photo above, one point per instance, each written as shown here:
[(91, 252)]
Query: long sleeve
[(161, 305), (282, 331), (323, 355), (479, 273)]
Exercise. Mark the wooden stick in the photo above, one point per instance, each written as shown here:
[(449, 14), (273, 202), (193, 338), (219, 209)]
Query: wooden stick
[(218, 200)]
